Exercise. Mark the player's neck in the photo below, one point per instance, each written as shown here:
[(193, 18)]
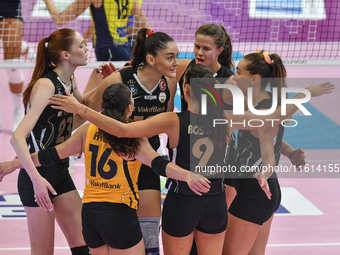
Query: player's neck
[(215, 67), (259, 95), (148, 77), (193, 106), (64, 74)]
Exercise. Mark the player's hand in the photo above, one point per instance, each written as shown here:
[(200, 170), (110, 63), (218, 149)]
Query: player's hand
[(198, 184), (6, 167), (106, 69), (298, 158), (41, 187), (263, 184), (320, 89), (66, 103)]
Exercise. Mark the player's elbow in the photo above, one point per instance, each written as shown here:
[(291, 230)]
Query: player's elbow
[(14, 139)]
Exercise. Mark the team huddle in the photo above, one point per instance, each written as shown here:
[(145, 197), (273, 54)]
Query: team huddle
[(121, 212)]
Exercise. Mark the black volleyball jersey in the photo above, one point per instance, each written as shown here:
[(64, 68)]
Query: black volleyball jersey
[(222, 74), (147, 102), (196, 152), (53, 126), (248, 146)]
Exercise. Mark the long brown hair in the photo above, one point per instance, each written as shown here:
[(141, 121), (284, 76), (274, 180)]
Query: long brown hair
[(221, 39), (48, 56)]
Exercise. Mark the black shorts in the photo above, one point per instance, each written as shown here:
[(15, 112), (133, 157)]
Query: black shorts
[(229, 182), (148, 179), (10, 9), (184, 213), (251, 203), (57, 175), (113, 224), (115, 53)]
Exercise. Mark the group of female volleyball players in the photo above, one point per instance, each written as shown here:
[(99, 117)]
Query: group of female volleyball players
[(121, 208)]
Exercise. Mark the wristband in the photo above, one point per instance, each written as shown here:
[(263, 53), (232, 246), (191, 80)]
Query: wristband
[(159, 164)]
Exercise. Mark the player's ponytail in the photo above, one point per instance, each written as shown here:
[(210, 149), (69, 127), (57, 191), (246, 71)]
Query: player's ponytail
[(138, 49), (278, 75), (225, 58), (49, 55), (271, 69)]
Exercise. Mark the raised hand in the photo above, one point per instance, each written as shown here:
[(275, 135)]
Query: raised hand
[(106, 69), (320, 89)]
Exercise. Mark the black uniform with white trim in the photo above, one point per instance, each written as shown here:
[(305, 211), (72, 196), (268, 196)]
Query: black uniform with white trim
[(147, 103), (191, 134), (251, 203), (183, 210), (52, 128)]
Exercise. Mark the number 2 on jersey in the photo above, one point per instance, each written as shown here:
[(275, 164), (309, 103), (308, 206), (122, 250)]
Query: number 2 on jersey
[(64, 124)]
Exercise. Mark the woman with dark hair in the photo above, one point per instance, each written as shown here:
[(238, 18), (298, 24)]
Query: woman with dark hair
[(180, 222), (111, 193), (42, 127), (154, 57), (258, 191), (213, 49)]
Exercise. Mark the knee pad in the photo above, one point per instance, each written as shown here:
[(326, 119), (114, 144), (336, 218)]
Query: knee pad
[(80, 250), (15, 75), (150, 231)]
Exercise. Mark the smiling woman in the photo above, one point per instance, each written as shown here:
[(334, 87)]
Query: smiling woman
[(151, 79)]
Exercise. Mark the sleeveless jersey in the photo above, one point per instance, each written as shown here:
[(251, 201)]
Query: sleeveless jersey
[(196, 152), (111, 20), (147, 103), (248, 146), (109, 178), (222, 74), (53, 126)]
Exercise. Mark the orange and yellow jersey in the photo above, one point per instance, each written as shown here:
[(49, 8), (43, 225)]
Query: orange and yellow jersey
[(110, 21), (109, 178)]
